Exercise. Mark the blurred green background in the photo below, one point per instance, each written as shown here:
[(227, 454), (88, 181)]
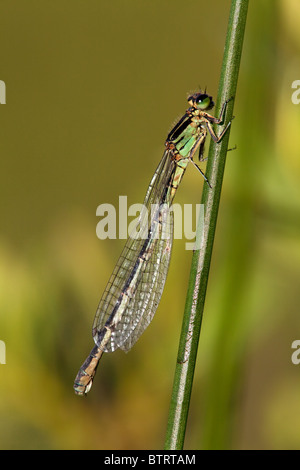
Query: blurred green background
[(92, 89)]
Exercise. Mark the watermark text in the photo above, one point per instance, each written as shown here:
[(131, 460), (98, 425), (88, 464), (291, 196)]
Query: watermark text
[(2, 352), (2, 92), (296, 354), (160, 220), (296, 94)]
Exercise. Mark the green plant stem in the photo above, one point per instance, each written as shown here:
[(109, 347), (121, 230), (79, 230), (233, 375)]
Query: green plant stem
[(195, 299)]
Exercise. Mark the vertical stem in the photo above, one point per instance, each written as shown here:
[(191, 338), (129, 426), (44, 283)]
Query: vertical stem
[(195, 299)]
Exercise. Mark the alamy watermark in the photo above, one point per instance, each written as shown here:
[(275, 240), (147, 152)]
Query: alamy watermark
[(184, 220), (2, 352), (296, 94), (296, 354), (2, 92)]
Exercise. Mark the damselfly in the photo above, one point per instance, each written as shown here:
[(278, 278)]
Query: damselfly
[(134, 290)]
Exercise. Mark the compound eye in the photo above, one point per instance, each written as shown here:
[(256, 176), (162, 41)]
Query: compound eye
[(203, 102)]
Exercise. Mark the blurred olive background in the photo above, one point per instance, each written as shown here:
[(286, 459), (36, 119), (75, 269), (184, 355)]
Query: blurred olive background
[(92, 89)]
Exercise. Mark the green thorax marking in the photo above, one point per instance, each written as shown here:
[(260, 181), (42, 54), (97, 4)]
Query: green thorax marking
[(187, 132)]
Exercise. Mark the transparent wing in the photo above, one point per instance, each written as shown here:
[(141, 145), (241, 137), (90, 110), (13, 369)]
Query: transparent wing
[(143, 305), (134, 290)]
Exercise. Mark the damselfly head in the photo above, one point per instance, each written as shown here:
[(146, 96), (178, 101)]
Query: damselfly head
[(201, 101)]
